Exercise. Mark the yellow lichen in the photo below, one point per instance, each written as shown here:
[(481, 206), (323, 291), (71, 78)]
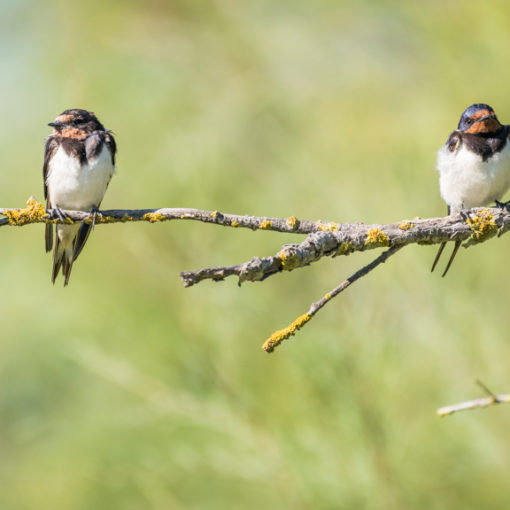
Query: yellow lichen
[(234, 224), (345, 249), (214, 214), (376, 237), (289, 260), (153, 217), (406, 225), (482, 225), (327, 296), (327, 227), (34, 212), (100, 218), (282, 334), (292, 222), (266, 225)]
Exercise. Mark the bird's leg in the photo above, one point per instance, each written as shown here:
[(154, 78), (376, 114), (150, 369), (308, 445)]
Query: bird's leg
[(95, 214)]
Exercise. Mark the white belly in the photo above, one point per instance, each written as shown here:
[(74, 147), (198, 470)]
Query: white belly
[(467, 181), (73, 186)]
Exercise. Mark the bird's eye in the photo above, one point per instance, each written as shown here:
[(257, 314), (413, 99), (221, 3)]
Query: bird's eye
[(469, 121)]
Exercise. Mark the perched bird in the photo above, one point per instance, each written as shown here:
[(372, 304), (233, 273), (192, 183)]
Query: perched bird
[(79, 161), (474, 165)]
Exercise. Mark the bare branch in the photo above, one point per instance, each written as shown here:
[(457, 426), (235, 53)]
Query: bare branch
[(474, 404), (282, 334)]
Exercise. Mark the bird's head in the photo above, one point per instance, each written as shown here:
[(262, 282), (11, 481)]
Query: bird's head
[(479, 118), (76, 123)]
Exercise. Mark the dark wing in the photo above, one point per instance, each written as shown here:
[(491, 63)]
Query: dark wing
[(50, 148), (110, 143), (507, 129), (93, 146), (454, 141)]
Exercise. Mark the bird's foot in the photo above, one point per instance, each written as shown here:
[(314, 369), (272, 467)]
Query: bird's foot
[(465, 214), (59, 213), (503, 205), (95, 214)]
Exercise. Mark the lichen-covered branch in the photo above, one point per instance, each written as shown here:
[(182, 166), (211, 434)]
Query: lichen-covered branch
[(343, 238), (282, 334), (323, 239), (351, 237), (36, 213)]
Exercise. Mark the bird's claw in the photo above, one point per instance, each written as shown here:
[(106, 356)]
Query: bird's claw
[(95, 214), (465, 214), (503, 205), (59, 213)]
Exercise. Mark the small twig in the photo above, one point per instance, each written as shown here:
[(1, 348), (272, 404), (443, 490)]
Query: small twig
[(475, 403), (279, 336), (486, 390)]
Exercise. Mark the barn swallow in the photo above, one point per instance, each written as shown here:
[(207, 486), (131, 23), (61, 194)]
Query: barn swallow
[(79, 161), (474, 165)]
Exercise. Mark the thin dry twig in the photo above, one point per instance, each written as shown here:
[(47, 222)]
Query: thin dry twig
[(476, 403), (283, 334)]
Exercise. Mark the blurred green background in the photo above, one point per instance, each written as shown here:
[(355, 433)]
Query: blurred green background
[(125, 390)]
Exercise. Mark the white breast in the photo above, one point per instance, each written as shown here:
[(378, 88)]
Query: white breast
[(467, 181), (75, 186)]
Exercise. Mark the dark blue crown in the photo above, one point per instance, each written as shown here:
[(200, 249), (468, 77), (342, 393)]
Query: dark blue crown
[(469, 112)]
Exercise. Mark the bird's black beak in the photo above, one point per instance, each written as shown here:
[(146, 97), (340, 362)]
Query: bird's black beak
[(55, 124)]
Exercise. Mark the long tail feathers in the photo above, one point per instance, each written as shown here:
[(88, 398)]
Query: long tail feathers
[(48, 237), (452, 256), (58, 258), (81, 238), (61, 259), (438, 256), (67, 248)]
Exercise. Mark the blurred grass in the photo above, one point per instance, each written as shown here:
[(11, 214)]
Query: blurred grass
[(126, 391)]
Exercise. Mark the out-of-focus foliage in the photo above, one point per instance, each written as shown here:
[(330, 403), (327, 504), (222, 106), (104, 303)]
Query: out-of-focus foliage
[(126, 391)]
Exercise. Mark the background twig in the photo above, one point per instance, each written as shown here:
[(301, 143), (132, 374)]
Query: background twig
[(474, 404)]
